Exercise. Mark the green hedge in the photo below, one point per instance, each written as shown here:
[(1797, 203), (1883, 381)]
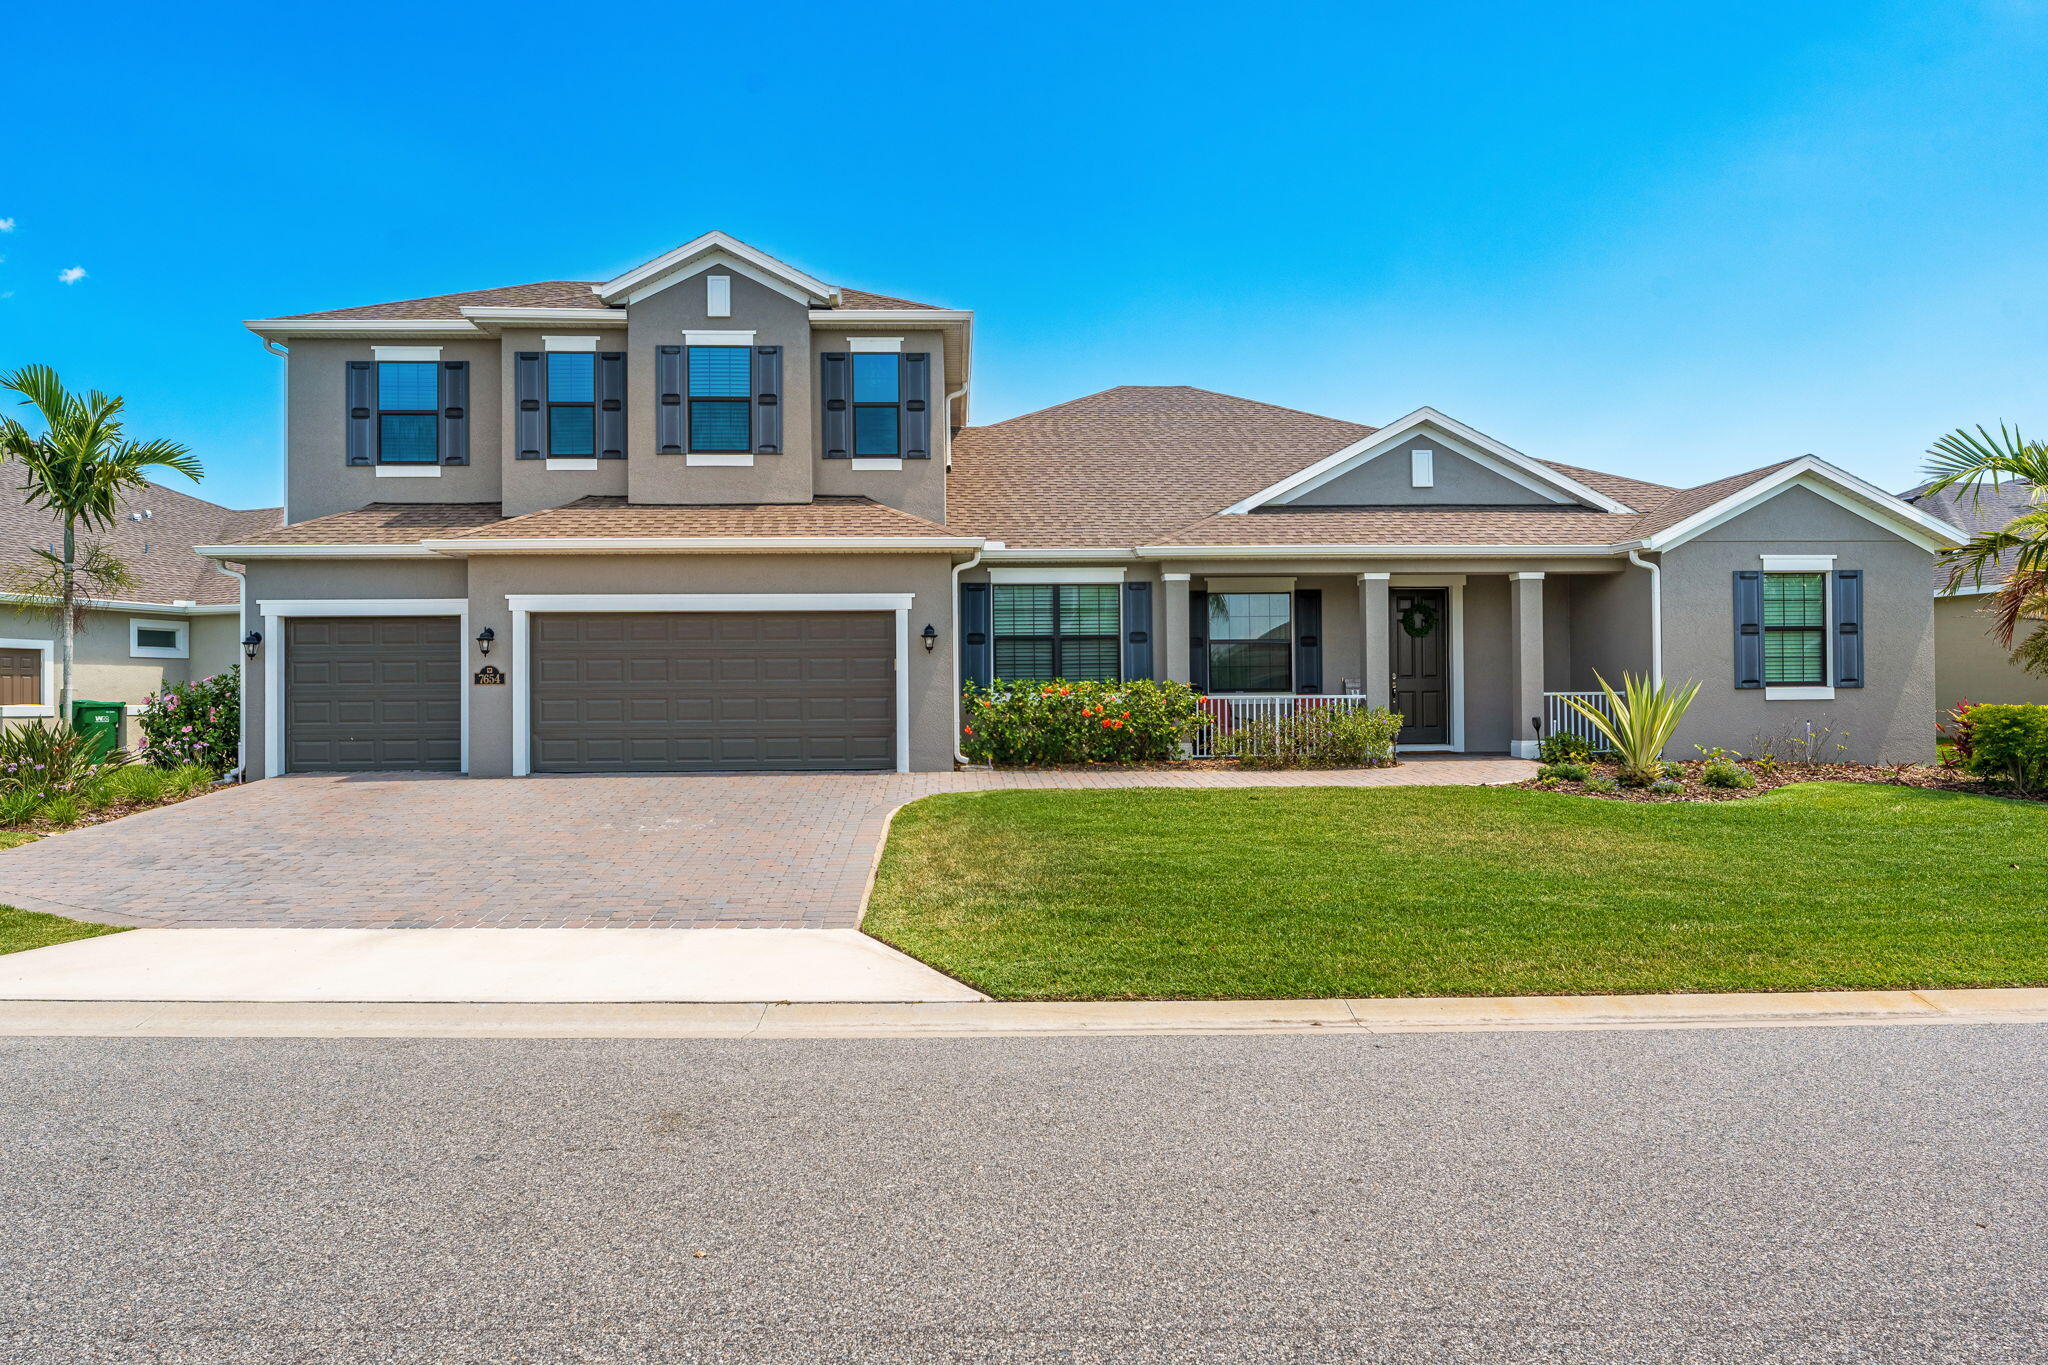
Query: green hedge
[(2010, 743), (1019, 723)]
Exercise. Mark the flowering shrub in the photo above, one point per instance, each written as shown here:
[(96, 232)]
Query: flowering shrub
[(50, 759), (1317, 737), (195, 722), (1019, 723)]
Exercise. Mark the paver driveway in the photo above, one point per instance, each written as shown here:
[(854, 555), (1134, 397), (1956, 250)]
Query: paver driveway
[(414, 851)]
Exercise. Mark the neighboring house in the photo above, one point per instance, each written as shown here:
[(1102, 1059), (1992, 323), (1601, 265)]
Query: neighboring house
[(179, 622), (718, 514), (1969, 664)]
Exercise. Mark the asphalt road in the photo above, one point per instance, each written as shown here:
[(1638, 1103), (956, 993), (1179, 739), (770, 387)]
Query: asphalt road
[(1846, 1194)]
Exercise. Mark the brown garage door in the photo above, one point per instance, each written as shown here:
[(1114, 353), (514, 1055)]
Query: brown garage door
[(714, 692), (363, 694)]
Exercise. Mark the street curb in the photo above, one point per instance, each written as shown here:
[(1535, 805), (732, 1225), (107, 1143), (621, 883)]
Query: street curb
[(176, 1019)]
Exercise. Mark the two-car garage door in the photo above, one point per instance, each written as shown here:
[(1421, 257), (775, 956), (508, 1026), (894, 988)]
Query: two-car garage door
[(611, 692), (713, 691)]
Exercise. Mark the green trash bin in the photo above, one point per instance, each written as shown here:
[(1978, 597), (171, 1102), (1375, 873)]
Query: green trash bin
[(100, 721)]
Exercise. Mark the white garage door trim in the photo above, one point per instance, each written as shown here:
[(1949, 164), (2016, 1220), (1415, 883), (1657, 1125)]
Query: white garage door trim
[(523, 605), (274, 612)]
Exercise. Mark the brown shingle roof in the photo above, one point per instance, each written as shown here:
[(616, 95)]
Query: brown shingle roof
[(1126, 465), (614, 517), (544, 294), (381, 523), (1489, 525), (157, 549)]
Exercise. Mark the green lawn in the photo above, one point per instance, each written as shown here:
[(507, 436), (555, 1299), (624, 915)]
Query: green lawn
[(1328, 891), (23, 929)]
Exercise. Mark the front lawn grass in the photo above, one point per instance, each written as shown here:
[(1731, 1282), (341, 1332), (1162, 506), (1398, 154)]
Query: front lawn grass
[(1330, 891), (24, 929)]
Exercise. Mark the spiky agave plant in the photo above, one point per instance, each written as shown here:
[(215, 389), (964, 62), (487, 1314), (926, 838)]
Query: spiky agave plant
[(1638, 722)]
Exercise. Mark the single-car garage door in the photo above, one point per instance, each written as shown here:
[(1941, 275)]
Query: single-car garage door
[(713, 692), (368, 693)]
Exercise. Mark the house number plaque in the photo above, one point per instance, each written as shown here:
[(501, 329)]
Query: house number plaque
[(489, 676)]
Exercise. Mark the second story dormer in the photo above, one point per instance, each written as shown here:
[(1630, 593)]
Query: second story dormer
[(711, 375)]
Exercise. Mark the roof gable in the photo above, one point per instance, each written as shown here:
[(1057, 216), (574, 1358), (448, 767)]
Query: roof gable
[(1547, 482), (717, 248), (1686, 517)]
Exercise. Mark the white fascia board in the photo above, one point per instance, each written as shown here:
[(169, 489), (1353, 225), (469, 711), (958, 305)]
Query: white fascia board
[(1026, 554), (117, 604), (1974, 590), (495, 320), (908, 317), (416, 550), (1838, 486), (1387, 437), (1371, 551), (683, 544), (359, 327), (739, 255)]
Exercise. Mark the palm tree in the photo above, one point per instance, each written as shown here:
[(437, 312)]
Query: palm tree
[(1968, 460), (78, 469)]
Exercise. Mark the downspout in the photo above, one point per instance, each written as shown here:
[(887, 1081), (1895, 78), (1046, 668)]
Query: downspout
[(1656, 616), (959, 640), (242, 704), (960, 392)]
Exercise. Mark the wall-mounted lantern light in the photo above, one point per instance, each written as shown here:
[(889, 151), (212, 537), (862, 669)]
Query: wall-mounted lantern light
[(931, 639), (483, 640), (249, 643)]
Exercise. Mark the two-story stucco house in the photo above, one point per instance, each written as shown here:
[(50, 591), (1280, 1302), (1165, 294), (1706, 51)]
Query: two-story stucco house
[(718, 514)]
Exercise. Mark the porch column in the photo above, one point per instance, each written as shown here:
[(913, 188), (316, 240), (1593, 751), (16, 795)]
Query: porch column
[(1375, 646), (1173, 635), (1525, 638)]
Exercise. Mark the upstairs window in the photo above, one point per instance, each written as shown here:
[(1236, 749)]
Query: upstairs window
[(1251, 638), (877, 389), (408, 412), (572, 403), (1795, 630), (721, 398), (1045, 631)]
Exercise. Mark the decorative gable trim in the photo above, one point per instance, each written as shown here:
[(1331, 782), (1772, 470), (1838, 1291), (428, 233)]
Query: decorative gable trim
[(1474, 445), (716, 248), (1838, 486)]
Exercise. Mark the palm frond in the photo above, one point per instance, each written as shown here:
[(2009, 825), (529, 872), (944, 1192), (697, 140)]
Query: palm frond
[(1966, 459)]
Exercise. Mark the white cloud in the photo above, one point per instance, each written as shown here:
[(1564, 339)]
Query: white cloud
[(6, 225), (72, 275)]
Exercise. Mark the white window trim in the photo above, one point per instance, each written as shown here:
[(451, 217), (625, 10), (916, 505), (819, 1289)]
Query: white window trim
[(571, 462), (718, 296), (405, 352), (1422, 468), (181, 650), (274, 612), (735, 459), (718, 338), (577, 345), (1078, 574), (408, 471), (874, 345), (524, 605), (876, 463), (48, 705), (1822, 565)]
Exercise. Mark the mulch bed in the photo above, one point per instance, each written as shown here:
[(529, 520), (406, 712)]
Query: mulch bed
[(1909, 775)]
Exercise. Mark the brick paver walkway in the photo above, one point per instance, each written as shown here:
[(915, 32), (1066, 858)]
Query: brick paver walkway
[(415, 851)]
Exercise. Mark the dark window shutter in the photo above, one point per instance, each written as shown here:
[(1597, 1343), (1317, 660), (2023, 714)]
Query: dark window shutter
[(455, 412), (768, 400), (1308, 639), (916, 425), (668, 408), (611, 405), (362, 410), (977, 651), (1848, 628), (1137, 630), (835, 397), (1198, 641), (1749, 628), (529, 403)]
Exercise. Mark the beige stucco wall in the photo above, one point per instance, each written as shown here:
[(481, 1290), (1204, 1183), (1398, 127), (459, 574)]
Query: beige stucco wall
[(104, 670), (319, 480), (529, 485), (1388, 480), (1890, 717), (1970, 665), (919, 486)]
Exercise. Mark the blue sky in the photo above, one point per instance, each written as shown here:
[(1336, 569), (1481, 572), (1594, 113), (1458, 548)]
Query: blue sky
[(1668, 241)]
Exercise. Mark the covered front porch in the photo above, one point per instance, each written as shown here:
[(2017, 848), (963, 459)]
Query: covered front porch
[(1476, 658)]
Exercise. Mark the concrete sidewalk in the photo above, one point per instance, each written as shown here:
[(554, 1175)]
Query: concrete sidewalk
[(987, 1018), (474, 965)]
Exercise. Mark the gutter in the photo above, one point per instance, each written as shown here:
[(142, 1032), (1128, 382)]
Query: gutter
[(1656, 616)]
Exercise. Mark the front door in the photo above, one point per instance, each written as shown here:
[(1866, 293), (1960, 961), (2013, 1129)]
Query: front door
[(1422, 684)]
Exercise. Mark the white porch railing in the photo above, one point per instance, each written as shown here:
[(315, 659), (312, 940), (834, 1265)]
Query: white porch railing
[(1230, 714), (1559, 716)]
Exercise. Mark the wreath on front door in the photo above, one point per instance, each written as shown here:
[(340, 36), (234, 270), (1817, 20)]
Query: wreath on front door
[(1419, 618)]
